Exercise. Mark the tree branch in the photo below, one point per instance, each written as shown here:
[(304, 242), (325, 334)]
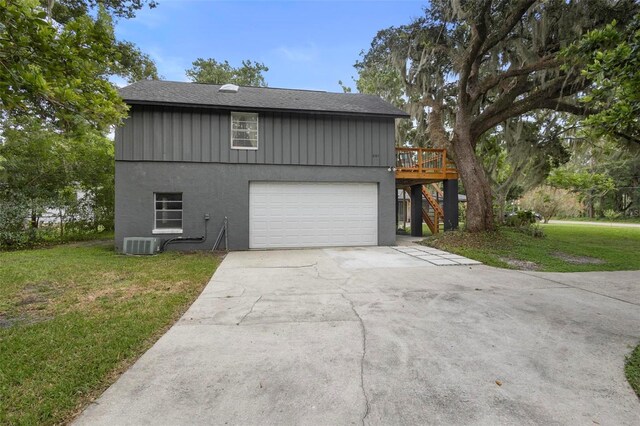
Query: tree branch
[(563, 106), (511, 21), (627, 137), (478, 37), (492, 81), (504, 102), (548, 96), (437, 131)]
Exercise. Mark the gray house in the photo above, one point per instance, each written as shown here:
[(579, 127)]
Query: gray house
[(288, 168)]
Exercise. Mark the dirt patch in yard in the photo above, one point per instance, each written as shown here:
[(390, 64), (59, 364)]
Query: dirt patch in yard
[(448, 240), (578, 260), (35, 295), (128, 291), (31, 299), (6, 322), (522, 265), (95, 301)]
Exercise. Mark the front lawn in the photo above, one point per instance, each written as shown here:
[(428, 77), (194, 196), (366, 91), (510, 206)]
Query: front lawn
[(566, 248), (73, 317)]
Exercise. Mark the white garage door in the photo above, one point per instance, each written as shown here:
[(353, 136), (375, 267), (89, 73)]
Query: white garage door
[(294, 214)]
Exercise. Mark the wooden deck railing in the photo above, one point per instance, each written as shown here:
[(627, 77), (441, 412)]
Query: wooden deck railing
[(424, 164)]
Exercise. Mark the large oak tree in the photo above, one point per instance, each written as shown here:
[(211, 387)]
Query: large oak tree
[(467, 66)]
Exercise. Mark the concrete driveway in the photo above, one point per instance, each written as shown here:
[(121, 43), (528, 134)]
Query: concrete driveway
[(375, 336)]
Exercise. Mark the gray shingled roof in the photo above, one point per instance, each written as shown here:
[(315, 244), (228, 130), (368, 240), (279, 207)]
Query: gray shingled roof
[(258, 98)]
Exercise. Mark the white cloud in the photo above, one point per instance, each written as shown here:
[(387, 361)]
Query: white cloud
[(308, 53), (169, 67)]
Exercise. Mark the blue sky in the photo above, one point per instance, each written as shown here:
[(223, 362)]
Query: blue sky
[(305, 44)]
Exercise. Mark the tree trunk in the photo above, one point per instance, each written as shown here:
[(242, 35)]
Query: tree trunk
[(33, 225), (476, 185), (618, 201), (61, 226), (34, 220), (501, 203)]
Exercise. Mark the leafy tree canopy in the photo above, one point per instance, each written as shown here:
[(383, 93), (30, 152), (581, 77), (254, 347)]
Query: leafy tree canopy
[(519, 154), (64, 10), (211, 71), (581, 181), (130, 62), (46, 170), (58, 71), (601, 173), (612, 57), (39, 163)]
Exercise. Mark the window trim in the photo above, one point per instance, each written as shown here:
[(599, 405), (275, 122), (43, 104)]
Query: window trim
[(155, 215), (245, 148), (166, 231)]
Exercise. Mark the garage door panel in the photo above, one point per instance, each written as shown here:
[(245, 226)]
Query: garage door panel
[(294, 214)]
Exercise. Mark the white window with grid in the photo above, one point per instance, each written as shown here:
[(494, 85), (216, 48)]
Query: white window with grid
[(244, 130), (168, 213)]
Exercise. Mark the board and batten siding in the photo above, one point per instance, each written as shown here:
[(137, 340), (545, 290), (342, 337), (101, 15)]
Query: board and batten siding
[(158, 133)]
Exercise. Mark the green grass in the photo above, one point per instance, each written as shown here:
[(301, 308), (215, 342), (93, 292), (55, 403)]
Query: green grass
[(425, 229), (566, 248), (632, 369), (73, 317), (624, 219)]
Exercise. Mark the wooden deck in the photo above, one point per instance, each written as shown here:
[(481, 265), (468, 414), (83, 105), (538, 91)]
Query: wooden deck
[(423, 165)]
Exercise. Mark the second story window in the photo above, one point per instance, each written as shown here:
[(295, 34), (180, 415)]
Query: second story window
[(244, 130)]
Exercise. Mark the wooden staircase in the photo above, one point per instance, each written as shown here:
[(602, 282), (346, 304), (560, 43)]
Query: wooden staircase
[(433, 220), (426, 167), (432, 213), (437, 189)]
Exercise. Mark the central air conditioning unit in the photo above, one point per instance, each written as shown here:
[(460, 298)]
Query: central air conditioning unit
[(140, 245)]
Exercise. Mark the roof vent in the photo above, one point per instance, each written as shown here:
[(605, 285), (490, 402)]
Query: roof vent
[(228, 88)]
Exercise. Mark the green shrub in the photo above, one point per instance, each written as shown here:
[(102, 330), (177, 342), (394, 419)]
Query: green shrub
[(16, 231), (462, 213), (611, 214), (524, 221), (13, 230), (83, 219), (520, 219), (531, 229)]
